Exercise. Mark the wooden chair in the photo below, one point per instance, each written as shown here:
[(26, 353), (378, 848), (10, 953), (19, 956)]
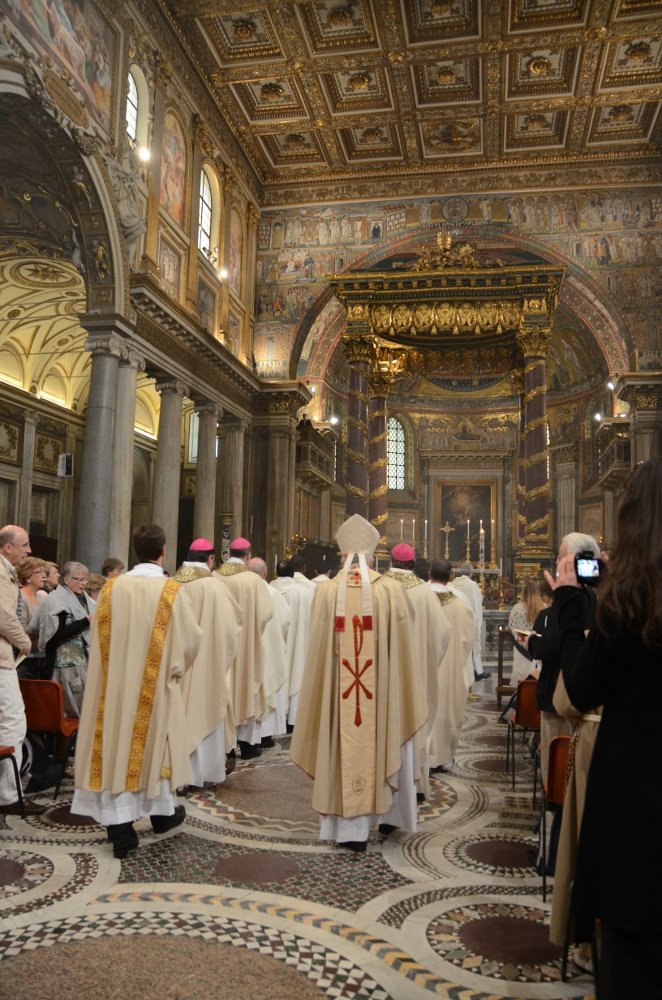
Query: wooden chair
[(504, 636), (7, 753), (553, 792), (527, 718), (44, 713)]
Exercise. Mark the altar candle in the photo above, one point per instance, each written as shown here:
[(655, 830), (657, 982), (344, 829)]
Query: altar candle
[(402, 527), (413, 529), (467, 529), (481, 527), (426, 529)]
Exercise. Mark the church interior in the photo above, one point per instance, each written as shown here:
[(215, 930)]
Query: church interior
[(265, 265)]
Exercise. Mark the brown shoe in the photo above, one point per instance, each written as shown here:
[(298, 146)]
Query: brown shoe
[(30, 809)]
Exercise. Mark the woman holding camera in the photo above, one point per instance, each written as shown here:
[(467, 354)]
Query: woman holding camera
[(619, 666)]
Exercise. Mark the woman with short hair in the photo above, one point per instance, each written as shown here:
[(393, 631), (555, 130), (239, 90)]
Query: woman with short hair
[(64, 634), (31, 573)]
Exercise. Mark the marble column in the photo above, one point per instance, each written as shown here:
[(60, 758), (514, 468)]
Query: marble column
[(232, 478), (205, 479), (359, 350), (120, 507), (167, 468), (565, 489), (536, 544), (380, 385), (517, 379), (95, 495), (30, 421)]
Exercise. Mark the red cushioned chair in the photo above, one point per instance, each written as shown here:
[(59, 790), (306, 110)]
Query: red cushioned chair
[(553, 792), (7, 753), (527, 718), (44, 713)]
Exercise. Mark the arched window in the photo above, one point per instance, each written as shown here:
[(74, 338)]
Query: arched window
[(395, 454), (132, 110), (205, 215)]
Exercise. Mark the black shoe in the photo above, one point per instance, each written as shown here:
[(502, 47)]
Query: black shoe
[(230, 763), (161, 824), (420, 797), (248, 751), (386, 829), (123, 837), (120, 851), (482, 677), (358, 846), (267, 742)]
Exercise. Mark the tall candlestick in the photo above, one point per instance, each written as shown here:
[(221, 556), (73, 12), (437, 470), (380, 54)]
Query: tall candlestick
[(426, 529), (402, 527), (413, 530), (467, 529)]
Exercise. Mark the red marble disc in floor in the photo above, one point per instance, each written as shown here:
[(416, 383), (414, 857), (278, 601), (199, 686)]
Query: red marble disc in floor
[(257, 867), (509, 940), (10, 871), (500, 853)]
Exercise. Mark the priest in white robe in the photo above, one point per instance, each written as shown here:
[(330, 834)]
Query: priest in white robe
[(132, 749), (276, 672), (299, 600), (431, 636), (468, 590), (456, 671), (361, 700), (249, 702)]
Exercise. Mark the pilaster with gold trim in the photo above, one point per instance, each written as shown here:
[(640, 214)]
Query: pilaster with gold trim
[(359, 350), (536, 544), (380, 384)]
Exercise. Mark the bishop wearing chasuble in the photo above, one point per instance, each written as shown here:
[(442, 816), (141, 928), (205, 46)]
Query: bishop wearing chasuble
[(361, 700)]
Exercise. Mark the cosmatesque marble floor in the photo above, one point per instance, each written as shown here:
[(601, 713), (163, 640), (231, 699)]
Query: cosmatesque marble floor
[(243, 901)]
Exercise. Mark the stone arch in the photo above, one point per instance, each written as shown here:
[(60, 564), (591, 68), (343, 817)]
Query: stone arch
[(59, 203), (595, 307)]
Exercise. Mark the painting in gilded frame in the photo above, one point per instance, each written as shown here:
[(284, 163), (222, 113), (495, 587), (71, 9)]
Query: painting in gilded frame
[(461, 502), (169, 268), (173, 169)]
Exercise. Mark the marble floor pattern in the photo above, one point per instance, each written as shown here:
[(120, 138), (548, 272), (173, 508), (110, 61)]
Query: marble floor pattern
[(244, 902)]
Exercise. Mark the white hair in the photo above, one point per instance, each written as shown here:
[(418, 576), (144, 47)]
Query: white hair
[(73, 569), (258, 566), (577, 542)]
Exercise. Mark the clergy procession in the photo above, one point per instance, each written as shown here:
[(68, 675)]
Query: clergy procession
[(369, 673)]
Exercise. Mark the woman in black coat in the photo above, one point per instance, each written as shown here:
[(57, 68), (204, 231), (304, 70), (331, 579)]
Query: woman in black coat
[(619, 666)]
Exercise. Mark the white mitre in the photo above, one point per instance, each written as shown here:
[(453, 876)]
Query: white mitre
[(356, 537)]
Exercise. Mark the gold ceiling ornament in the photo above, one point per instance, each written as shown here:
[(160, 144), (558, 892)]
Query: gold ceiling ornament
[(341, 17), (535, 123), (539, 67), (272, 91), (446, 76), (439, 8), (372, 136), (445, 254), (396, 58), (638, 52), (294, 140), (620, 113), (431, 319), (244, 29), (358, 82)]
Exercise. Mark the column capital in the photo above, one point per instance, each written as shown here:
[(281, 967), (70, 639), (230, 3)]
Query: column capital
[(359, 349), (173, 385), (205, 407), (130, 358), (105, 344), (380, 383), (534, 341), (202, 137), (31, 417)]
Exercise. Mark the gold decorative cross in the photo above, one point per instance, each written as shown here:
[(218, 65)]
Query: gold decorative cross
[(446, 530)]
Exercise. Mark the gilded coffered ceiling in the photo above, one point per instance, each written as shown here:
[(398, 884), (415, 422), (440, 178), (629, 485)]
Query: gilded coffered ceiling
[(333, 89)]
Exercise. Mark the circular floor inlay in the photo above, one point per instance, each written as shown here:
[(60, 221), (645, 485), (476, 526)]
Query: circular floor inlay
[(10, 871), (494, 854), (501, 940), (491, 764), (257, 867)]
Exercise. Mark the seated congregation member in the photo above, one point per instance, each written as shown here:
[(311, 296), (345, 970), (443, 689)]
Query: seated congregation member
[(31, 574), (456, 673), (362, 701), (111, 568), (133, 742), (545, 645), (64, 634), (619, 869), (520, 623)]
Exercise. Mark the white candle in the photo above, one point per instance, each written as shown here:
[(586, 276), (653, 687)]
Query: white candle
[(426, 529), (467, 529), (402, 527), (481, 527), (500, 567), (413, 529)]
